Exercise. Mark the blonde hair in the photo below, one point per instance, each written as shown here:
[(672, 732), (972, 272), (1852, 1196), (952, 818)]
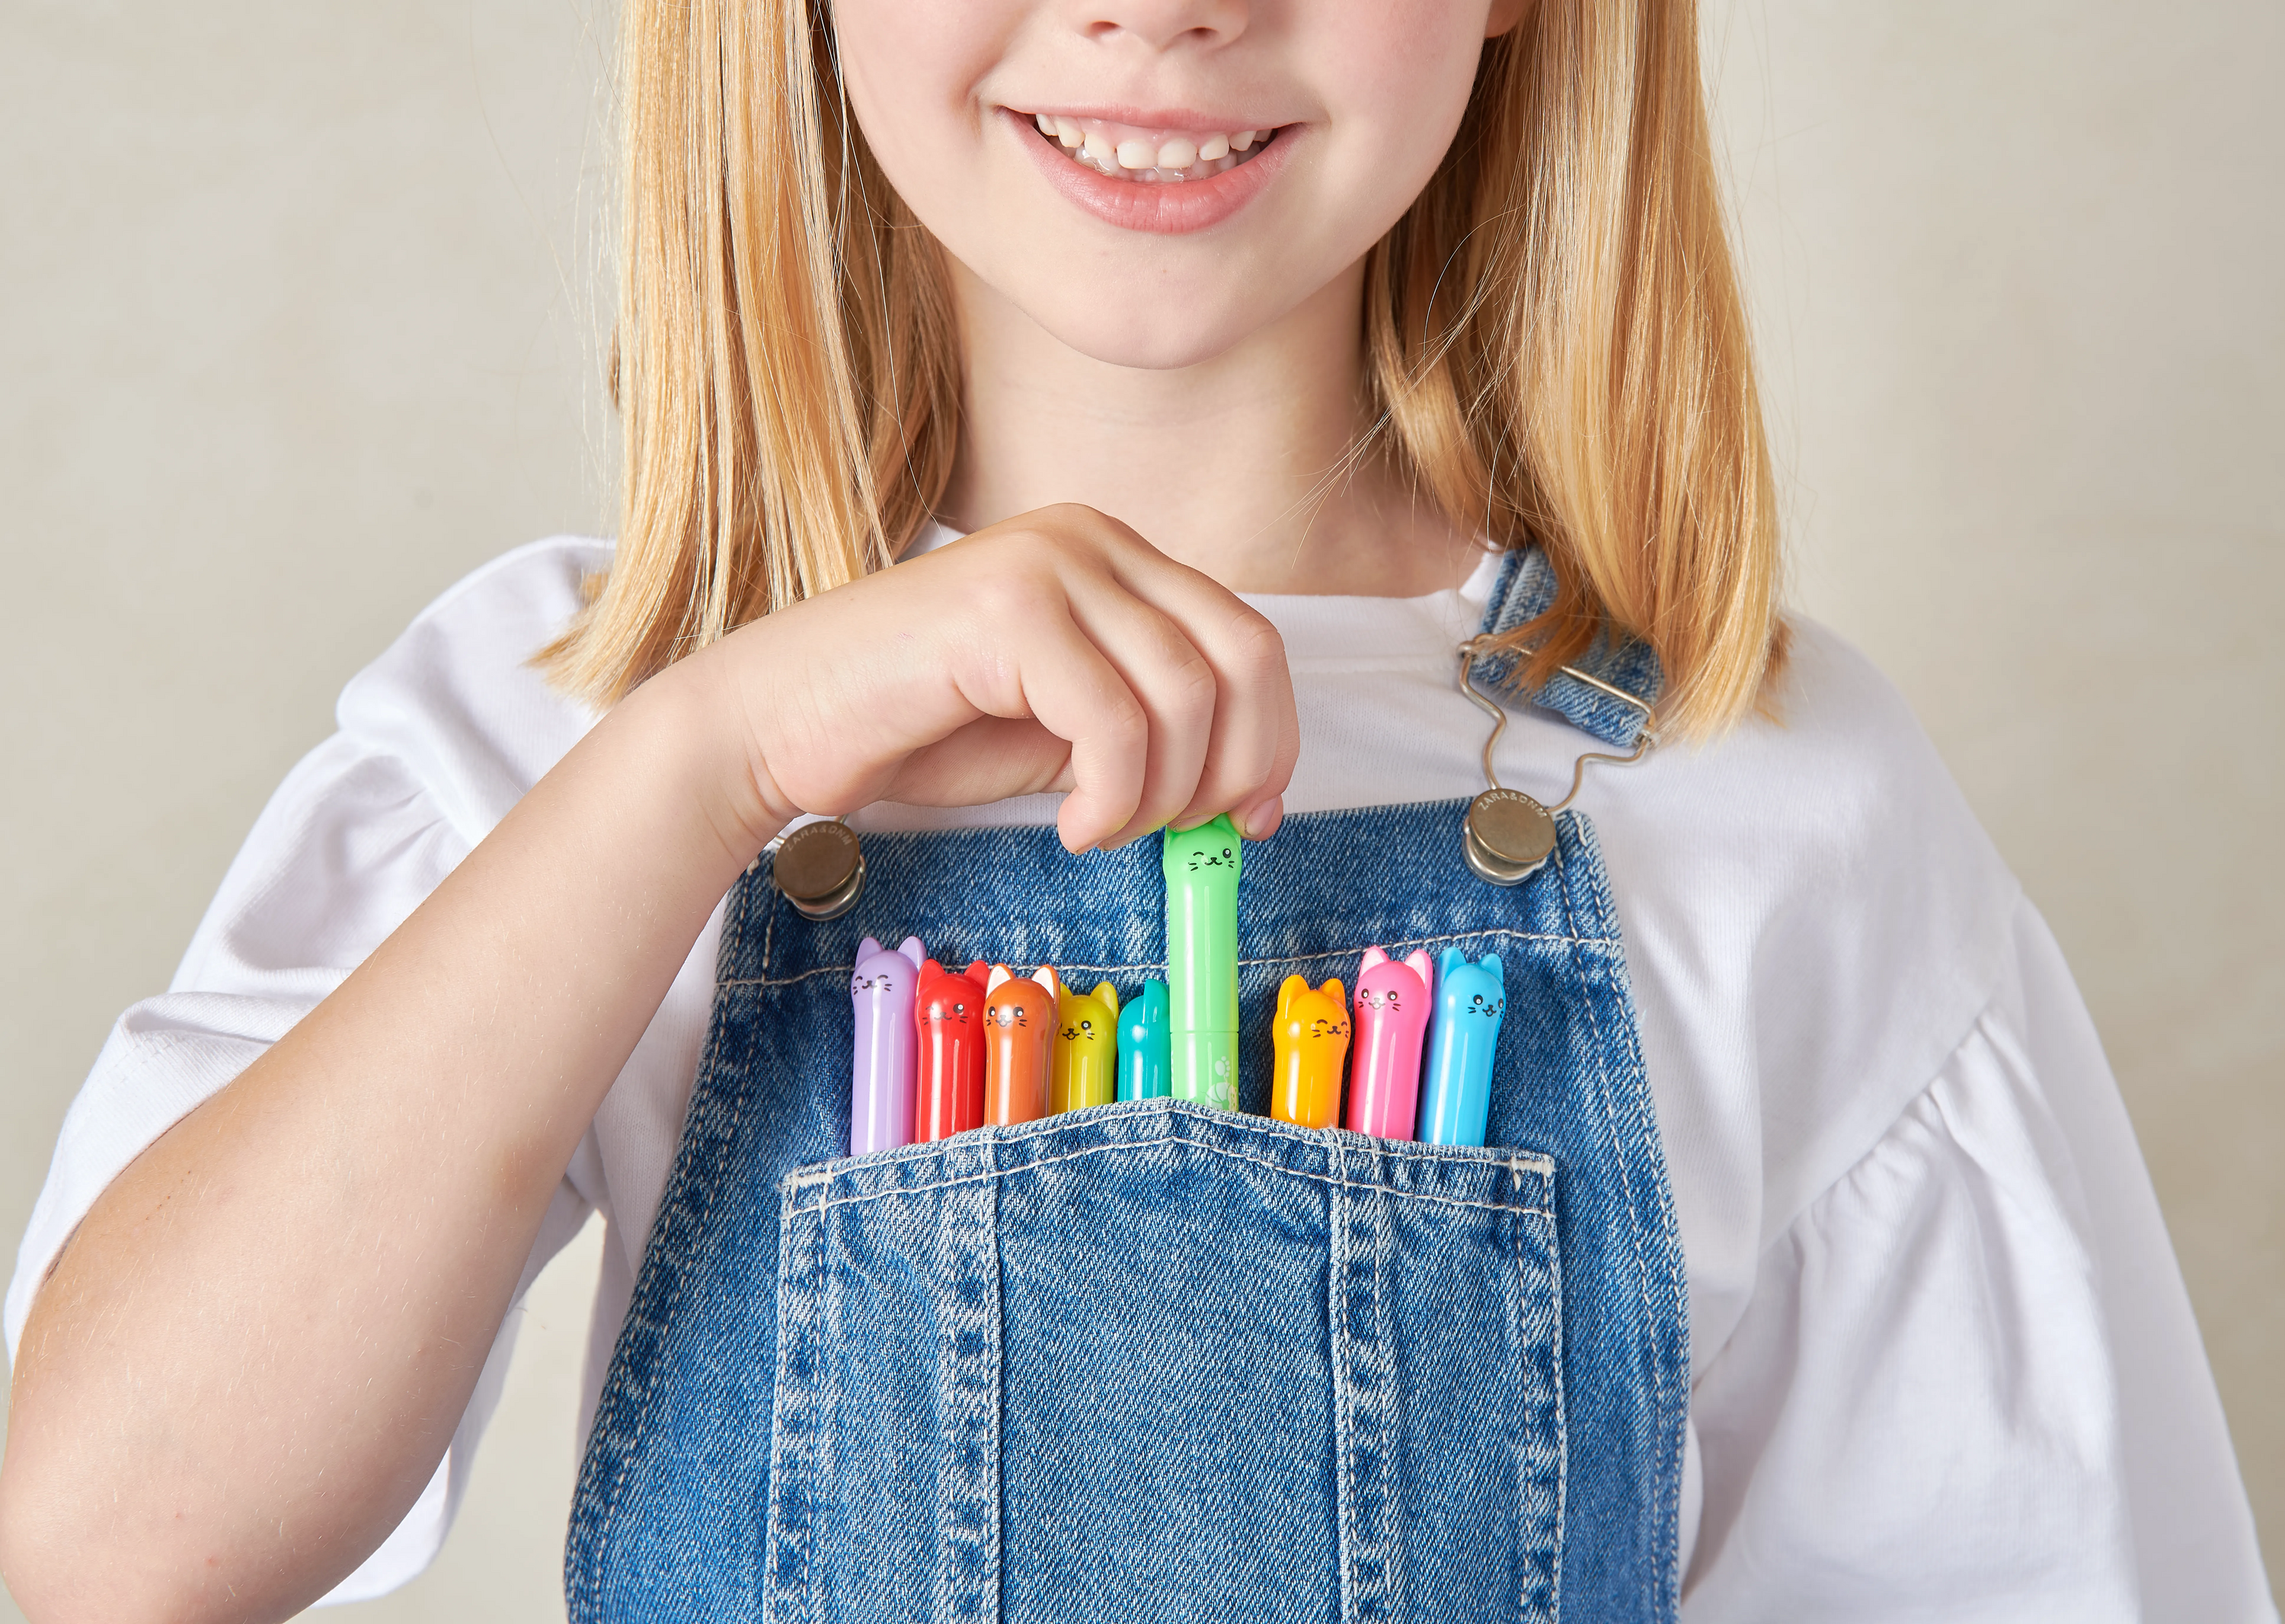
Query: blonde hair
[(1556, 347)]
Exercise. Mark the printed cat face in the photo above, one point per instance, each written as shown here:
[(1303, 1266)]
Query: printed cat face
[(1213, 850), (947, 1000), (1088, 1017), (1318, 1013), (887, 974), (1389, 990), (1473, 991), (1024, 1001)]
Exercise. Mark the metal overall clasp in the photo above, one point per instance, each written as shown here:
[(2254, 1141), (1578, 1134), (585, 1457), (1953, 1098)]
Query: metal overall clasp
[(1506, 836)]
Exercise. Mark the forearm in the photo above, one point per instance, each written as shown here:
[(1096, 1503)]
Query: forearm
[(256, 1349)]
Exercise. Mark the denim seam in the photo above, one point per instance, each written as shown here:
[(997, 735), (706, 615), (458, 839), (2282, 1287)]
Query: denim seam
[(1389, 1532), (1562, 1428), (1390, 947), (1512, 1157), (613, 1497), (1619, 1157), (1344, 1421), (787, 1385), (1671, 1445), (1170, 1139)]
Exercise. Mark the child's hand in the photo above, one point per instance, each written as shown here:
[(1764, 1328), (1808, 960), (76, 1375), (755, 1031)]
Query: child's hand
[(1055, 651)]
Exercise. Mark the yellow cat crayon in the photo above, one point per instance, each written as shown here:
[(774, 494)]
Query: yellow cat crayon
[(1311, 1034), (1087, 1049)]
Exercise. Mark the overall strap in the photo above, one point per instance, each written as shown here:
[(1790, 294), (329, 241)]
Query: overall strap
[(1524, 588)]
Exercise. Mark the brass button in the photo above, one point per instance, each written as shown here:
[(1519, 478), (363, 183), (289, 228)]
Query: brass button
[(1506, 836), (820, 869)]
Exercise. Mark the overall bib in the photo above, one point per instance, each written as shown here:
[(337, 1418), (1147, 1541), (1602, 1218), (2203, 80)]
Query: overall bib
[(1151, 1360)]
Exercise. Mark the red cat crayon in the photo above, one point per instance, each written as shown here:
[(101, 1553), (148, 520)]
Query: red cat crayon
[(948, 1082)]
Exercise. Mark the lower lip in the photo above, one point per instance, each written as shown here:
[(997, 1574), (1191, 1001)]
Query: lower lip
[(1172, 206)]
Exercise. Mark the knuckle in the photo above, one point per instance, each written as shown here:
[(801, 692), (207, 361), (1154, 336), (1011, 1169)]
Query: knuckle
[(1124, 721), (1192, 687), (1008, 599), (1257, 649)]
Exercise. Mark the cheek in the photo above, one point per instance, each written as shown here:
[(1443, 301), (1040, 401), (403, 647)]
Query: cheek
[(909, 71), (1398, 75)]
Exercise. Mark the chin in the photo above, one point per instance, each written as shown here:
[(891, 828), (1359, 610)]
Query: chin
[(1154, 331)]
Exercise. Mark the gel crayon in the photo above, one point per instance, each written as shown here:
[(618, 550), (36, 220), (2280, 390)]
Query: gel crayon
[(1201, 867), (1392, 1020), (1457, 1095), (1087, 1049), (883, 993), (1020, 1041), (949, 1083), (1143, 1067), (1311, 1037)]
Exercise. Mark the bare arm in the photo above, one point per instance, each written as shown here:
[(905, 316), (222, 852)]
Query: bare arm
[(248, 1361), (251, 1356)]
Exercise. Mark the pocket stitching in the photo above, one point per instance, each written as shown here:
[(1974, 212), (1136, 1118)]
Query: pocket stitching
[(798, 1185), (1391, 948)]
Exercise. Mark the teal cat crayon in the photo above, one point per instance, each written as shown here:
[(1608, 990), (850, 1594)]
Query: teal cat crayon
[(1144, 1069), (1456, 1097), (1201, 867)]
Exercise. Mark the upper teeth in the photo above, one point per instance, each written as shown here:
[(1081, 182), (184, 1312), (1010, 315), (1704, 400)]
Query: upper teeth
[(1135, 153)]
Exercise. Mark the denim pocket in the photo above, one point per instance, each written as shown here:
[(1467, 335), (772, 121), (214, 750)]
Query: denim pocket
[(1152, 1361)]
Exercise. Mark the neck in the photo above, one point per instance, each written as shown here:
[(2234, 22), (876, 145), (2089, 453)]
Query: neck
[(1239, 466)]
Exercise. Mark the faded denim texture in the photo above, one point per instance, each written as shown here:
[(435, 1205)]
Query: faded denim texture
[(1151, 1360)]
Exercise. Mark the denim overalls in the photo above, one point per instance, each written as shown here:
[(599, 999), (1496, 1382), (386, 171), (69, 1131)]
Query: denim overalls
[(1151, 1360)]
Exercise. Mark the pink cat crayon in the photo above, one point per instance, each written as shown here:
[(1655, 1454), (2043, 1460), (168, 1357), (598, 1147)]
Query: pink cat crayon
[(884, 990), (948, 1082), (1392, 1019), (1019, 1044)]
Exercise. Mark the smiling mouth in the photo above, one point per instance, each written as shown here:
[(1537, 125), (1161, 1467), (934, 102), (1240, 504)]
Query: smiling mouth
[(1128, 152)]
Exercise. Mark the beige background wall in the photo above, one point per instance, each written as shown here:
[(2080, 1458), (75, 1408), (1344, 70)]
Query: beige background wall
[(295, 327)]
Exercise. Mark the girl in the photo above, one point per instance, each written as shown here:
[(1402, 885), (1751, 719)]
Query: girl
[(1813, 1273)]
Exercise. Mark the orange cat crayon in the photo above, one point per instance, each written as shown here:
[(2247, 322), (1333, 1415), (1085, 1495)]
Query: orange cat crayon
[(1311, 1035), (1087, 1049), (1020, 1041), (948, 1081)]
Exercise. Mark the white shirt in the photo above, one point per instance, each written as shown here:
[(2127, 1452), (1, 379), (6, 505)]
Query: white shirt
[(1942, 1360)]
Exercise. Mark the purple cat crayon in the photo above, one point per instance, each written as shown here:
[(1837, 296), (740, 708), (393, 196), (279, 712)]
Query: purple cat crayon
[(1392, 1018), (881, 1077)]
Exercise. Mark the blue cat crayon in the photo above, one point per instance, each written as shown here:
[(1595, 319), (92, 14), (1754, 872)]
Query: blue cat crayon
[(1201, 868), (1144, 1070), (1455, 1095)]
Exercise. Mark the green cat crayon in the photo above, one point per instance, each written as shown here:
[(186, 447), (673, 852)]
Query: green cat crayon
[(1201, 866)]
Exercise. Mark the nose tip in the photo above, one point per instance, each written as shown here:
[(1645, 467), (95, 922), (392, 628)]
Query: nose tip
[(1162, 24)]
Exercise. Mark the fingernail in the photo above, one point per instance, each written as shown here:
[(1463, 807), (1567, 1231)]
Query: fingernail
[(1260, 822)]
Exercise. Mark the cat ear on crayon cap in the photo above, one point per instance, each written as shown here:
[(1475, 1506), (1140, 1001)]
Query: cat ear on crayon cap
[(1421, 965), (997, 974), (1288, 990), (1493, 963), (931, 970), (1372, 956), (910, 947), (977, 970), (1106, 995), (868, 949), (1333, 990), (1453, 959), (1046, 976)]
